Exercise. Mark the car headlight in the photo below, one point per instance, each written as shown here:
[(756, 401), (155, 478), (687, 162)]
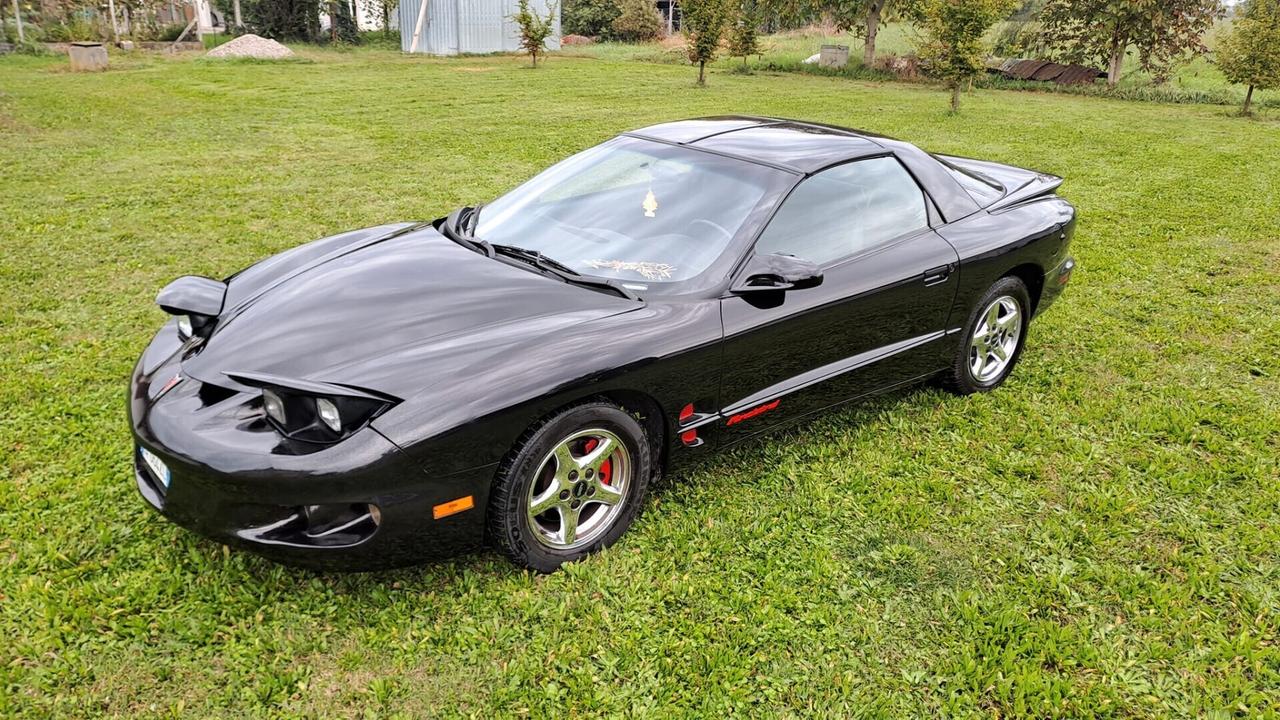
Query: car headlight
[(274, 407), (191, 325), (313, 418), (329, 415)]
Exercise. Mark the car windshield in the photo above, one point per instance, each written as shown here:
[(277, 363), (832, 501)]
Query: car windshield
[(635, 210)]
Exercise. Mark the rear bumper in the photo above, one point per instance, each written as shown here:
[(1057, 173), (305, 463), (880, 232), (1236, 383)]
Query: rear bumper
[(1055, 281), (361, 504)]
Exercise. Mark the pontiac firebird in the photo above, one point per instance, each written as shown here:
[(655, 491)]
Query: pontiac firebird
[(520, 372)]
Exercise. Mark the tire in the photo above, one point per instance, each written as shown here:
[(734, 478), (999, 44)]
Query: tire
[(966, 375), (572, 465)]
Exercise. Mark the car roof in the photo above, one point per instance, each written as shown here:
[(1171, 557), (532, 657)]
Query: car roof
[(790, 144), (806, 148)]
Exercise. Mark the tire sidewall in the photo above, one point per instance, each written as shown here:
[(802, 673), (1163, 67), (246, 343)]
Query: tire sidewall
[(1016, 289), (516, 536)]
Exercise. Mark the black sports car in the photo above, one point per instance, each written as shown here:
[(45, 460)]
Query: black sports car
[(520, 371)]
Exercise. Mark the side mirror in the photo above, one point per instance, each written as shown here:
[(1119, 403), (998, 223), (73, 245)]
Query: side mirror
[(773, 273)]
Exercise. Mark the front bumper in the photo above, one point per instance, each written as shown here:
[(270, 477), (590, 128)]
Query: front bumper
[(360, 504)]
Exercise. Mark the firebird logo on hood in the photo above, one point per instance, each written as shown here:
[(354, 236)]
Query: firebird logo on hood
[(753, 412)]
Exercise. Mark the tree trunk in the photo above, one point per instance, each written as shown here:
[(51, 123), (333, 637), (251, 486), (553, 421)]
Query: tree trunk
[(115, 29), (17, 16), (535, 59), (702, 76), (873, 27), (333, 20), (955, 98), (386, 18), (1248, 100), (235, 5), (1113, 70)]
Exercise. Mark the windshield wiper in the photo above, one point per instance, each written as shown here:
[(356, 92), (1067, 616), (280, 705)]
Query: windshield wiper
[(560, 270), (459, 227)]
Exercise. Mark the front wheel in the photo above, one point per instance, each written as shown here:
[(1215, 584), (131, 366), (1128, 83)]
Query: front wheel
[(992, 340), (572, 486)]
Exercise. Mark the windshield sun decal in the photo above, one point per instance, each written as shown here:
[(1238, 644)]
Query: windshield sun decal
[(647, 270)]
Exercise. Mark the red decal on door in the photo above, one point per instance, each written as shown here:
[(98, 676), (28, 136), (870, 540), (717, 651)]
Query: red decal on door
[(758, 410)]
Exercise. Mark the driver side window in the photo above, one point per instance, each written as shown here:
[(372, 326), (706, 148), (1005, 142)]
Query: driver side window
[(845, 211)]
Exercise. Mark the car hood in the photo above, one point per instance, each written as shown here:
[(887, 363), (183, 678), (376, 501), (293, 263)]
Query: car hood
[(372, 313)]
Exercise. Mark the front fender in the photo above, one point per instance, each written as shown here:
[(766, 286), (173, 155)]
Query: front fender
[(481, 404)]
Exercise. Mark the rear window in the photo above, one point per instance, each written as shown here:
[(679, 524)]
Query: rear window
[(982, 190)]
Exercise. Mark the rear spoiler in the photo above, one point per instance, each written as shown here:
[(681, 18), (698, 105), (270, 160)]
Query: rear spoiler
[(1036, 187), (1018, 184)]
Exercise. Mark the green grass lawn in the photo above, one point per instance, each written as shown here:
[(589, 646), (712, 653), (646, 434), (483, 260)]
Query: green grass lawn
[(1100, 537)]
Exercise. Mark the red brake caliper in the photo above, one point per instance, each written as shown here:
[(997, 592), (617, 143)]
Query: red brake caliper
[(606, 469)]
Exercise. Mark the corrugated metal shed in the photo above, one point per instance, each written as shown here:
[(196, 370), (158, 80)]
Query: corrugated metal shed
[(453, 27), (1021, 69)]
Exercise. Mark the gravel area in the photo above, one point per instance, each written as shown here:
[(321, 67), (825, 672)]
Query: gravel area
[(251, 46)]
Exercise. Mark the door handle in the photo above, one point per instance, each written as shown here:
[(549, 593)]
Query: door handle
[(938, 275)]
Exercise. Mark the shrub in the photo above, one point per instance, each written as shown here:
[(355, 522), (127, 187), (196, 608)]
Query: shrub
[(637, 21), (74, 29), (31, 32), (593, 18), (283, 19), (169, 33)]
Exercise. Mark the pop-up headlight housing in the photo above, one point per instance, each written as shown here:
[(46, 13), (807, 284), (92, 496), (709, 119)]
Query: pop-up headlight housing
[(196, 301), (315, 411)]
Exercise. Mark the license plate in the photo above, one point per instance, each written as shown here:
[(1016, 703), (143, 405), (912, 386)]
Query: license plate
[(158, 468)]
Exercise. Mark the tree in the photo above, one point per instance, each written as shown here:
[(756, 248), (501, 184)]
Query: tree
[(383, 9), (1250, 53), (744, 37), (284, 19), (873, 13), (534, 29), (637, 21), (863, 17), (952, 48), (593, 18), (703, 23), (1100, 31)]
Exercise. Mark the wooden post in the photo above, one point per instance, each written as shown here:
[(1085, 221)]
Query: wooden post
[(417, 29), (17, 15), (183, 35)]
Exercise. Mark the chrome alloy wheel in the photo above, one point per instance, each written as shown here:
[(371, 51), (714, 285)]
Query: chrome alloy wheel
[(995, 338), (579, 489)]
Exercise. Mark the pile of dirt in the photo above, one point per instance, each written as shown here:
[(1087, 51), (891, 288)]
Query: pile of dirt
[(251, 46), (576, 40)]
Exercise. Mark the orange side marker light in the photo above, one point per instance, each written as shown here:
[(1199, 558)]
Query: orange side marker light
[(453, 507)]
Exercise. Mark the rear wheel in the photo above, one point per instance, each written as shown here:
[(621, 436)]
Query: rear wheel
[(572, 486), (992, 340)]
